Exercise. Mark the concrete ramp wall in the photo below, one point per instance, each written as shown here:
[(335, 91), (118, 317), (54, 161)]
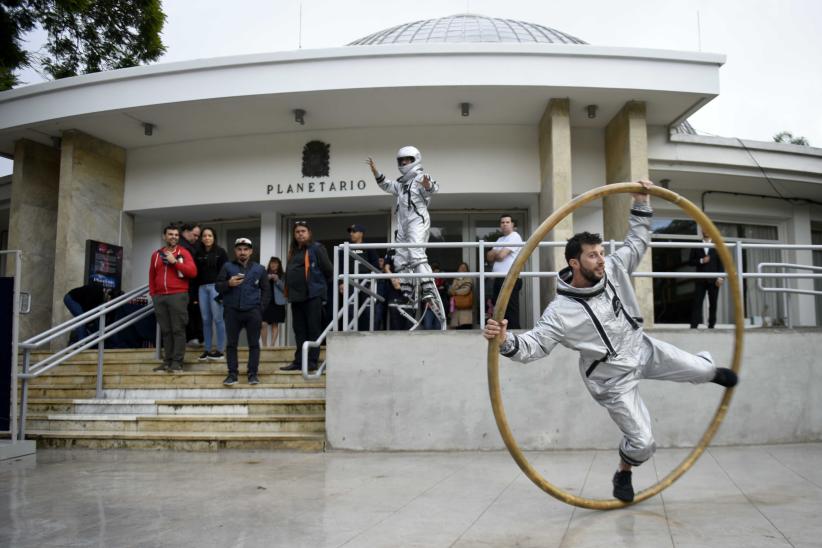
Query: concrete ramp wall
[(428, 391)]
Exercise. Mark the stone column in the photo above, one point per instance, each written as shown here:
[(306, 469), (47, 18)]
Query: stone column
[(626, 159), (803, 307), (32, 228), (555, 186), (92, 181)]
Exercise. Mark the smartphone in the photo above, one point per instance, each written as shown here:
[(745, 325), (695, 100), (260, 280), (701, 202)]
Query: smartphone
[(240, 275)]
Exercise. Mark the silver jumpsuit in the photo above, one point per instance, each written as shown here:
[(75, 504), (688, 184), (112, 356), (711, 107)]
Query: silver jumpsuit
[(413, 220), (602, 323)]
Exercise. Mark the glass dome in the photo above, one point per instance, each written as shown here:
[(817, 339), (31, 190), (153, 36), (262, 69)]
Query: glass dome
[(467, 28)]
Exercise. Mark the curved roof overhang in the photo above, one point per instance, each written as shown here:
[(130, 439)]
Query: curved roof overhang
[(366, 86)]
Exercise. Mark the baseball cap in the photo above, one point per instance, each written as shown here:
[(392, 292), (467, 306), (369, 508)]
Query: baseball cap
[(356, 228), (243, 241)]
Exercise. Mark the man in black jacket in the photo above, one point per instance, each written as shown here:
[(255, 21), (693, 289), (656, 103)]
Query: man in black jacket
[(246, 292), (705, 259)]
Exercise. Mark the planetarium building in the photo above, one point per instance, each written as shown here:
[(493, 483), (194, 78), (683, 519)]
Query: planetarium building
[(510, 117)]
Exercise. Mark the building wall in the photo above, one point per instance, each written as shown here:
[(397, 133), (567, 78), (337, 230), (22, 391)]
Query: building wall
[(475, 159), (429, 391)]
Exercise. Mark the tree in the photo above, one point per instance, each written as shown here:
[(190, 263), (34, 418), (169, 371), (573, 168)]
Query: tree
[(84, 36), (787, 137)]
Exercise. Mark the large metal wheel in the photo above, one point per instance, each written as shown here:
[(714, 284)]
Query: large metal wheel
[(502, 302)]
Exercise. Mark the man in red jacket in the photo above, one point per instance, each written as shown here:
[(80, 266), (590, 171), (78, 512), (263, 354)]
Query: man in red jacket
[(168, 274)]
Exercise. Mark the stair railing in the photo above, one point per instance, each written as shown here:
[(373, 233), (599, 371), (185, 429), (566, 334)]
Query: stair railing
[(31, 371)]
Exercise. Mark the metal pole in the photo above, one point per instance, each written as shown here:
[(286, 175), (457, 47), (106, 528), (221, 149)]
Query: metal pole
[(371, 284), (481, 270), (739, 271), (611, 247), (101, 348), (158, 339), (356, 297), (345, 286), (335, 293), (15, 335), (24, 400)]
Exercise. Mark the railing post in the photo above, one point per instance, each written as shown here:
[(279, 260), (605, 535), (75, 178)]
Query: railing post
[(373, 303), (335, 293), (345, 285), (24, 394), (740, 277), (101, 348), (158, 338), (611, 247), (481, 282), (356, 298)]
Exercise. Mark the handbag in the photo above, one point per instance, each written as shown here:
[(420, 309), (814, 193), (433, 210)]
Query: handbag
[(464, 302)]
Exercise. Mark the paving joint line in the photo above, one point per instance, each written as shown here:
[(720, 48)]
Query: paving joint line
[(581, 490), (490, 504)]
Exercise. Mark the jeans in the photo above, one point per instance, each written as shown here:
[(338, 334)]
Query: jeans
[(430, 320), (82, 330), (235, 321), (211, 310)]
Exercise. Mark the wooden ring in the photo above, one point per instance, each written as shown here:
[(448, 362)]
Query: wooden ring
[(709, 229)]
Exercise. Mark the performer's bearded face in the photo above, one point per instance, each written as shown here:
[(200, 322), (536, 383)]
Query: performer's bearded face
[(592, 263)]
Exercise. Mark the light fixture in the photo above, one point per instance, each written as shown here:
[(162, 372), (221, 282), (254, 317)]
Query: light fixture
[(465, 109), (299, 116), (148, 129), (592, 111)]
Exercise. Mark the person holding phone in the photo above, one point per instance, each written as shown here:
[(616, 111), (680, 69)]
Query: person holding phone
[(244, 286), (169, 272)]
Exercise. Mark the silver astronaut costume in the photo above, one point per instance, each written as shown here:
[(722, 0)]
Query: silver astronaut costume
[(602, 323), (413, 219)]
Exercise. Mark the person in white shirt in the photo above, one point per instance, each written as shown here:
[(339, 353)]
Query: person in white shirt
[(501, 259)]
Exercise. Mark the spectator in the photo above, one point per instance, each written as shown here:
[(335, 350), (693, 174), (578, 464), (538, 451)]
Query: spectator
[(308, 274), (705, 259), (79, 301), (356, 235), (274, 315), (210, 259), (462, 291), (243, 284), (171, 267), (190, 238), (502, 258)]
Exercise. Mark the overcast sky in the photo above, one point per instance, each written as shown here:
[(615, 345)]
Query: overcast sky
[(771, 81)]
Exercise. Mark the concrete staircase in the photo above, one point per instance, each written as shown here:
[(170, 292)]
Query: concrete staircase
[(189, 411)]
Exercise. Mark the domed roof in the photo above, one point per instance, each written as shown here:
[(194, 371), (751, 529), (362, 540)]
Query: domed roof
[(467, 28)]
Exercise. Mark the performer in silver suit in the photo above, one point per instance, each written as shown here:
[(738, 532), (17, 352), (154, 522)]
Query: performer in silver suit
[(596, 313), (413, 190)]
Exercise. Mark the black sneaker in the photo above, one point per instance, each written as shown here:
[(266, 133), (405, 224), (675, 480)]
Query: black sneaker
[(725, 377), (230, 380), (312, 366), (175, 368), (203, 357), (162, 367), (623, 490), (292, 367), (253, 379), (216, 355)]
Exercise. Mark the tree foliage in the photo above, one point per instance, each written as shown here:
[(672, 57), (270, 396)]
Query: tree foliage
[(83, 35), (787, 137)]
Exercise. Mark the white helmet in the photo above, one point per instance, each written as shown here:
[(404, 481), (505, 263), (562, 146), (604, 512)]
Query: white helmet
[(408, 152)]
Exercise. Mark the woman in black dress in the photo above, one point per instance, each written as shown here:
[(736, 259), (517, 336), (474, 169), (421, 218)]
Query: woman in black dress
[(274, 315)]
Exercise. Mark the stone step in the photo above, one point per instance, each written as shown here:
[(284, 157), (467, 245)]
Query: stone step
[(239, 391), (125, 356), (234, 406), (248, 407), (176, 423), (147, 365), (61, 379), (180, 441)]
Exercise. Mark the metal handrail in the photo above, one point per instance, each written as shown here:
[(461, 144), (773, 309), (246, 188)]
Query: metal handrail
[(759, 285), (612, 245), (98, 338)]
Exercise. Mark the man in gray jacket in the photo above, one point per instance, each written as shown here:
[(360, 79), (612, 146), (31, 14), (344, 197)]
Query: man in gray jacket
[(596, 313)]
